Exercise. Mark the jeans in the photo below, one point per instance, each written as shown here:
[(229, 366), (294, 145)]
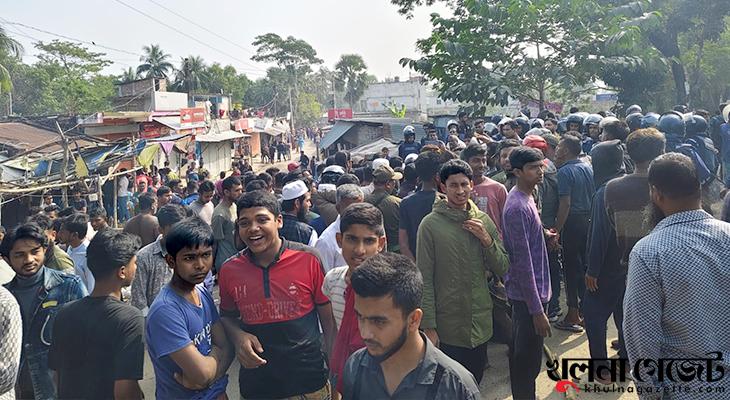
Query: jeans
[(597, 308), (525, 353), (575, 235), (473, 360), (556, 267), (122, 209)]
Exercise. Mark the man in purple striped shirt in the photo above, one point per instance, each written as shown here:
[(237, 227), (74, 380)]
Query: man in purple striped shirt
[(528, 278)]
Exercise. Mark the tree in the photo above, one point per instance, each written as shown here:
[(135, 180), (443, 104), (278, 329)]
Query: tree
[(155, 62), (295, 56), (191, 73), (11, 47), (309, 111), (352, 77), (226, 80), (491, 51), (664, 22), (128, 75), (66, 79)]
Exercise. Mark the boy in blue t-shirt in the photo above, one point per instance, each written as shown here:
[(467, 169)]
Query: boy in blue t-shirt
[(186, 341)]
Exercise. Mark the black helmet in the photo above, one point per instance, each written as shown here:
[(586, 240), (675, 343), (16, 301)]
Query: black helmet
[(537, 123), (562, 126), (409, 130), (496, 119), (634, 121), (523, 122), (696, 124), (650, 120), (671, 124), (592, 119), (574, 119)]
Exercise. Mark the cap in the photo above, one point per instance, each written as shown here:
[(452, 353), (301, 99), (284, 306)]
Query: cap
[(552, 139), (293, 190), (292, 166), (534, 141), (410, 158), (334, 168), (379, 162), (384, 174)]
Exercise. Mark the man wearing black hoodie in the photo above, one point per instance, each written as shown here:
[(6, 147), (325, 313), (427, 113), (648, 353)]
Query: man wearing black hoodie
[(605, 277)]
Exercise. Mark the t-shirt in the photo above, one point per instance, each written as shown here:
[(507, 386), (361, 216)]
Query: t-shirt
[(490, 196), (626, 198), (224, 226), (122, 186), (575, 179), (204, 211), (96, 341), (145, 226), (412, 210), (172, 324), (334, 288), (277, 303), (78, 255)]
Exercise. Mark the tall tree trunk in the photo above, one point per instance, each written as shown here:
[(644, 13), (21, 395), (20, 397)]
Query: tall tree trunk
[(679, 81)]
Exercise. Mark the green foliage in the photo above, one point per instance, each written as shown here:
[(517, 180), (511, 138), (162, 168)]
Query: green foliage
[(490, 51), (309, 111), (190, 75), (66, 79), (10, 47), (395, 111), (289, 52), (352, 77), (128, 75), (226, 80), (154, 62)]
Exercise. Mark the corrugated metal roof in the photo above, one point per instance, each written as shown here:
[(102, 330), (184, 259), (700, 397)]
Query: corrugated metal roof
[(396, 131), (174, 123), (219, 137), (337, 131), (23, 137)]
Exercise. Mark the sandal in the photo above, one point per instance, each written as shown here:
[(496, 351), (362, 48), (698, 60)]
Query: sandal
[(564, 326)]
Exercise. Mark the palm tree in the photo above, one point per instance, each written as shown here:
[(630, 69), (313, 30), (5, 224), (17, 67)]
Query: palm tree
[(192, 70), (14, 49), (352, 77), (155, 62), (128, 75)]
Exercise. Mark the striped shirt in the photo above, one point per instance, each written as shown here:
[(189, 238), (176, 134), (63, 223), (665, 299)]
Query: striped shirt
[(334, 286), (676, 301)]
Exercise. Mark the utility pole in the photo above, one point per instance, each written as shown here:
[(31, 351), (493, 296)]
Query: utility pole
[(291, 120), (64, 165)]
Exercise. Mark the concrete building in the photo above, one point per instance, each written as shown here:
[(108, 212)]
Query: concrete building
[(415, 93)]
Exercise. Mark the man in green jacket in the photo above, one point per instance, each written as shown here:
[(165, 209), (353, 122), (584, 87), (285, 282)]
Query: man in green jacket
[(457, 243)]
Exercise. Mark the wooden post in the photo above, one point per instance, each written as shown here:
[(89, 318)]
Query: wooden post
[(64, 165), (116, 216)]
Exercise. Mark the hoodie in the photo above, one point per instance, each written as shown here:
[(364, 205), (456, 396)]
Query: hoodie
[(604, 257), (454, 264)]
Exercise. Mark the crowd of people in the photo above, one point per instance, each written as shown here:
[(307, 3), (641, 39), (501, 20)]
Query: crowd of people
[(384, 276)]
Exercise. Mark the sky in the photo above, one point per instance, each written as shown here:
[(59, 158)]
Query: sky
[(371, 28)]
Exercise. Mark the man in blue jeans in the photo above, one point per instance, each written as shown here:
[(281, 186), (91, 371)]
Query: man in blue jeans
[(575, 189), (40, 292), (122, 197)]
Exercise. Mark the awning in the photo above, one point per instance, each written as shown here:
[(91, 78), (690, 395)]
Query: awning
[(335, 134), (169, 138), (219, 137), (174, 123)]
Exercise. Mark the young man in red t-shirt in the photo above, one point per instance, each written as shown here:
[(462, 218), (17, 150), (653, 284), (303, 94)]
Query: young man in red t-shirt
[(272, 306)]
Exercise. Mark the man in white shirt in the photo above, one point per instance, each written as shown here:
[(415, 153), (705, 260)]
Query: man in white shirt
[(122, 197), (75, 227), (330, 252)]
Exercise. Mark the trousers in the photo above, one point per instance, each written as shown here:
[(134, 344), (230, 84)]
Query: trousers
[(473, 360), (575, 235), (597, 308), (525, 353)]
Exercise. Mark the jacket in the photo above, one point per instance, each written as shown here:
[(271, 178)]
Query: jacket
[(389, 205), (324, 204), (58, 289), (454, 264)]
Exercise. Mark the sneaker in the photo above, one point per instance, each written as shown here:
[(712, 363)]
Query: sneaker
[(553, 318)]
